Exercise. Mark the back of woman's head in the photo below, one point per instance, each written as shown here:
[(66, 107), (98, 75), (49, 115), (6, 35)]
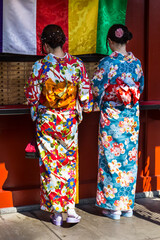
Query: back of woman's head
[(119, 33), (53, 35)]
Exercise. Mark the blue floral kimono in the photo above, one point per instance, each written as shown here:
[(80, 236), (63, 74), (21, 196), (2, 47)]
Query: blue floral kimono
[(117, 85)]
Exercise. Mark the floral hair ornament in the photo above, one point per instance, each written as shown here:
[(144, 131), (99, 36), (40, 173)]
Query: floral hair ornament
[(119, 32)]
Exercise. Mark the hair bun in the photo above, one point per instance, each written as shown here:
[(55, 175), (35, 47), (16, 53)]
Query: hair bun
[(53, 35), (127, 36), (130, 36), (59, 37), (119, 33)]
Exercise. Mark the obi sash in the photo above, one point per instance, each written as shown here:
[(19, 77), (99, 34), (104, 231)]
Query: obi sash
[(59, 95)]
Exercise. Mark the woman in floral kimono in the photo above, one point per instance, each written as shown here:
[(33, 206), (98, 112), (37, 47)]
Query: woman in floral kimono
[(58, 91), (117, 85)]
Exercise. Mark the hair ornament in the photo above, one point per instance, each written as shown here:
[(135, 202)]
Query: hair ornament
[(119, 32), (48, 37), (53, 35)]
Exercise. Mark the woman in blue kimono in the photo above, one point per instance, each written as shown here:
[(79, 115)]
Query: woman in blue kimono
[(117, 85)]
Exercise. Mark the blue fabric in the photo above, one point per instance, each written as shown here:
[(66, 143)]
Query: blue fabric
[(118, 129)]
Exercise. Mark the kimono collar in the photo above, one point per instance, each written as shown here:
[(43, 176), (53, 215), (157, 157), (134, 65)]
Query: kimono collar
[(54, 59), (120, 56), (57, 56)]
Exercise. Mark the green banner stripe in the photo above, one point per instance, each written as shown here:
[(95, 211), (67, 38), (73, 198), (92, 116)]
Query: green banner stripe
[(110, 12)]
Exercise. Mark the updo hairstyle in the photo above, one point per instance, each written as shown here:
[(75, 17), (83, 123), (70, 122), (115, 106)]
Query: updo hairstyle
[(53, 35), (119, 34)]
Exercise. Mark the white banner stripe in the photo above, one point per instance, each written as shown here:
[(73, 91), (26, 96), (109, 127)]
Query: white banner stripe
[(19, 26)]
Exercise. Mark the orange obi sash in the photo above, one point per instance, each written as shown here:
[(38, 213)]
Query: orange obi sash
[(59, 95)]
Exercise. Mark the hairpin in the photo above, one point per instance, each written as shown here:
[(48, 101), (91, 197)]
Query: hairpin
[(119, 32)]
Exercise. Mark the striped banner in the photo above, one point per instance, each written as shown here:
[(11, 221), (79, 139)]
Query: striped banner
[(85, 24), (1, 19)]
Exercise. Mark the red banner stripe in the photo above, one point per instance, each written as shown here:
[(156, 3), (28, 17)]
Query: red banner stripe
[(52, 12)]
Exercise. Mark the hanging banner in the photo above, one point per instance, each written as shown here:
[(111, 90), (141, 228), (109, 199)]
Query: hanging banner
[(84, 22)]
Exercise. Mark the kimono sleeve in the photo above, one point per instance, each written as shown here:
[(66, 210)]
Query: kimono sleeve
[(85, 96), (33, 89), (98, 86), (141, 81)]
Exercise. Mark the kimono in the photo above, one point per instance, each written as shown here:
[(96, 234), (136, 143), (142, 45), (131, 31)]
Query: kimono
[(117, 85), (58, 90)]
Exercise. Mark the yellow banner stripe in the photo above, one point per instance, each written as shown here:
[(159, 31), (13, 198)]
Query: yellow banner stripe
[(82, 21)]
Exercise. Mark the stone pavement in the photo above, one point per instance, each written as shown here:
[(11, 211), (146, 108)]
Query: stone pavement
[(35, 224)]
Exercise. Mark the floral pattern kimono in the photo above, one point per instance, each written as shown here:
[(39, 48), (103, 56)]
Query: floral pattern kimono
[(58, 91), (117, 85)]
